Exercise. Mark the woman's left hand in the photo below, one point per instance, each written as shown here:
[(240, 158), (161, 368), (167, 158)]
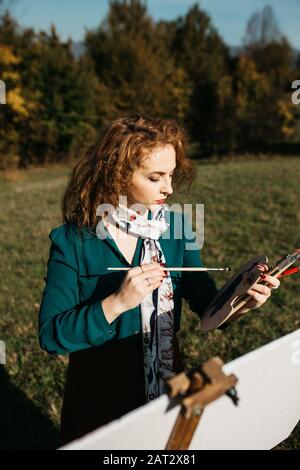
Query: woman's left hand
[(260, 292)]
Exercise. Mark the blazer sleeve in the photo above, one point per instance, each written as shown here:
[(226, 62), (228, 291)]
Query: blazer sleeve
[(65, 325), (198, 288)]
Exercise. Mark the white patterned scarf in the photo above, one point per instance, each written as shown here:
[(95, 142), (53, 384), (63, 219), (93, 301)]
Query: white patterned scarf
[(157, 308)]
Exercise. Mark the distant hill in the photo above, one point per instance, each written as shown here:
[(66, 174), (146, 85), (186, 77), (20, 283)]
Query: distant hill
[(234, 51), (77, 48)]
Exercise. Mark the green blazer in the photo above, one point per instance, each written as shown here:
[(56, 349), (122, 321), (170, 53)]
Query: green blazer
[(71, 317)]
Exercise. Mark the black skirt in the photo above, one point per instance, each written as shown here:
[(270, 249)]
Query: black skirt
[(104, 383)]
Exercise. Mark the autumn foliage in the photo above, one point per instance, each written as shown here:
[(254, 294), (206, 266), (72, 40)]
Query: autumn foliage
[(57, 104)]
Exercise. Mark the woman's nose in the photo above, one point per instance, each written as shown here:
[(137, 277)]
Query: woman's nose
[(167, 189)]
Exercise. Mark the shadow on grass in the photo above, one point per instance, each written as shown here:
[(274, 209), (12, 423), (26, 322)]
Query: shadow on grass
[(23, 424)]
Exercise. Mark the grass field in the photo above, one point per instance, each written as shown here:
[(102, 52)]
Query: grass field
[(251, 207)]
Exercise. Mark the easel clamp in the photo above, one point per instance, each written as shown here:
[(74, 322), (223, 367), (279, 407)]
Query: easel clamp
[(195, 390)]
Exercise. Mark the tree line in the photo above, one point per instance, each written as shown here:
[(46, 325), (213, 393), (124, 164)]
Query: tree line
[(57, 104)]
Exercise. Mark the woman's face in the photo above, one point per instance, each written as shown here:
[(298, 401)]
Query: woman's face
[(151, 183)]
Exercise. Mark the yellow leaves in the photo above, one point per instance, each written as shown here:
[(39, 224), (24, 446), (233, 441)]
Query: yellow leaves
[(11, 77), (180, 89), (287, 131), (8, 75), (248, 75), (284, 110), (7, 57), (248, 71), (241, 102), (224, 89), (17, 102), (251, 86), (259, 106), (286, 116)]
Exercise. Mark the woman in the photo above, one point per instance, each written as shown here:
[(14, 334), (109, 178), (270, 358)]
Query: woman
[(119, 327)]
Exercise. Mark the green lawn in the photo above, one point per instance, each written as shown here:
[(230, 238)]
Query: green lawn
[(251, 207)]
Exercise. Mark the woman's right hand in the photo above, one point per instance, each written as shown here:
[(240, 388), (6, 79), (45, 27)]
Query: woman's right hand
[(135, 286)]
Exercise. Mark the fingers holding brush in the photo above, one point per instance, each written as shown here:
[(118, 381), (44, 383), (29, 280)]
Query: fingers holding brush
[(261, 291), (269, 281)]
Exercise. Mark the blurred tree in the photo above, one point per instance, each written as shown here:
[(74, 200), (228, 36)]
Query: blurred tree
[(64, 114), (132, 62), (59, 93), (262, 28), (199, 50), (180, 69), (13, 112), (273, 56), (260, 115), (269, 48)]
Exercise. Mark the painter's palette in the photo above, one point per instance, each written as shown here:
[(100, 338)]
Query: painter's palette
[(221, 310)]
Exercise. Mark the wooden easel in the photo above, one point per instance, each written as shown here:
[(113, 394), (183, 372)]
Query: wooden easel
[(195, 390)]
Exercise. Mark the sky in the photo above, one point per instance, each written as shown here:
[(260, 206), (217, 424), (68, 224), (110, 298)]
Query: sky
[(73, 17)]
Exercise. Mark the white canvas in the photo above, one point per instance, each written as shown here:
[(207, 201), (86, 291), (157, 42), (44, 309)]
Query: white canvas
[(269, 408)]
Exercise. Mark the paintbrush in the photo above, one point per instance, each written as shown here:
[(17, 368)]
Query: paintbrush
[(177, 269)]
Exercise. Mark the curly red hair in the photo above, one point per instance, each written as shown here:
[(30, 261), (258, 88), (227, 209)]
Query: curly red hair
[(104, 171)]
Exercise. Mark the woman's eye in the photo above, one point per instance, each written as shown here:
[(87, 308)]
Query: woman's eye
[(152, 179)]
